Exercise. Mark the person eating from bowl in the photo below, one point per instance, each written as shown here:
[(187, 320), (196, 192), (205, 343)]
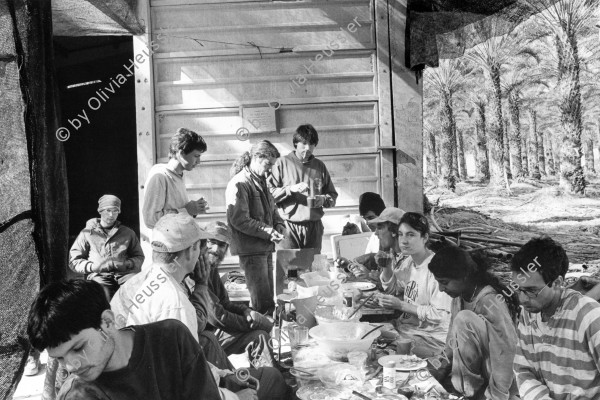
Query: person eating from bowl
[(482, 335), (370, 206), (411, 288)]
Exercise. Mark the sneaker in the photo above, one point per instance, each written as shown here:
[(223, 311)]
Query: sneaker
[(32, 367)]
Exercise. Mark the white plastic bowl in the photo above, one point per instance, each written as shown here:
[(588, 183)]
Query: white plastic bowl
[(339, 338), (328, 315)]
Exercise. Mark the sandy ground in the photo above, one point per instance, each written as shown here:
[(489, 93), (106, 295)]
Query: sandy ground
[(535, 208), (537, 205)]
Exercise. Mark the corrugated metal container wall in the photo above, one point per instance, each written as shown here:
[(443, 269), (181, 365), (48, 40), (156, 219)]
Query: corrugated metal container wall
[(313, 61)]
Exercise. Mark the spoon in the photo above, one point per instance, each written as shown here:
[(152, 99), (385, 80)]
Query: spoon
[(372, 330)]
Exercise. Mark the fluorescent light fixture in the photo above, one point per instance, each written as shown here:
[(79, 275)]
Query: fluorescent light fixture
[(82, 84)]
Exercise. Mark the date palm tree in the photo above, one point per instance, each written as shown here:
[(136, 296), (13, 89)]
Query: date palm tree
[(522, 75), (431, 154), (480, 103), (446, 81), (567, 22), (492, 56)]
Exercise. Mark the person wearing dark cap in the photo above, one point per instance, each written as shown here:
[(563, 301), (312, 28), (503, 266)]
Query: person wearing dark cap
[(107, 251), (370, 206), (239, 325)]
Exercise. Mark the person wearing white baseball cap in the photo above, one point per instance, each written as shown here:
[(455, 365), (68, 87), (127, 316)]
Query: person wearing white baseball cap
[(156, 293), (159, 293), (107, 251)]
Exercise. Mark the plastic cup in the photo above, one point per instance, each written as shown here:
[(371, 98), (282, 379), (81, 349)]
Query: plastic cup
[(357, 358), (298, 335), (404, 346)]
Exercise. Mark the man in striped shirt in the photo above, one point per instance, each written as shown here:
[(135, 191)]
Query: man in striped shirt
[(558, 354)]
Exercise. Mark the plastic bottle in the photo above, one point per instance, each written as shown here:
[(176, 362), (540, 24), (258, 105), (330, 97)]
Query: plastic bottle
[(290, 281), (389, 375)]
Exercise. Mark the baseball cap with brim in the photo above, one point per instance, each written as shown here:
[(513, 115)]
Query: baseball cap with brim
[(390, 214), (176, 232)]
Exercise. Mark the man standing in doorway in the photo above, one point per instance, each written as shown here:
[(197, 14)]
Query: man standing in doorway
[(302, 187), (165, 188)]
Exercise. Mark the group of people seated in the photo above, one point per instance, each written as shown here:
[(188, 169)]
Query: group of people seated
[(166, 331), (532, 338)]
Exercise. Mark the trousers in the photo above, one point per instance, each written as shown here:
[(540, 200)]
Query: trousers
[(258, 269), (303, 235)]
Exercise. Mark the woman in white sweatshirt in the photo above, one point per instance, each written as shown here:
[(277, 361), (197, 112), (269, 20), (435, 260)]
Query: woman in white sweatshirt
[(413, 290)]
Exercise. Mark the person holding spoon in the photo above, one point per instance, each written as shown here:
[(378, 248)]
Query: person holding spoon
[(412, 289), (255, 222)]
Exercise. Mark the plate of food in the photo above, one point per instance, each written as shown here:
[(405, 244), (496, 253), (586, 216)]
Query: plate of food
[(404, 362), (362, 286)]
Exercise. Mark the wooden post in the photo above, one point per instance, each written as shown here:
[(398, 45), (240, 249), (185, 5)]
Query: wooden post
[(386, 132), (407, 100), (143, 46)]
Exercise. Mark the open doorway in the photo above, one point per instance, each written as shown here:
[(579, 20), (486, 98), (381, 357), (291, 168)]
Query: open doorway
[(99, 113)]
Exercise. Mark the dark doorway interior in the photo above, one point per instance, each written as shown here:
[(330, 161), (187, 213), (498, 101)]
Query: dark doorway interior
[(101, 154)]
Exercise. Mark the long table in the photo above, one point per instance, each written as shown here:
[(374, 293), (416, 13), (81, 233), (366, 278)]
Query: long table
[(417, 380)]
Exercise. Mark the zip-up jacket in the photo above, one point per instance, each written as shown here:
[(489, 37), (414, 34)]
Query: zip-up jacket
[(251, 214), (95, 250)]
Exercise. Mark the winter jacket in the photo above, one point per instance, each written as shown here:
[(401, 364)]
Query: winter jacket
[(100, 252), (251, 214)]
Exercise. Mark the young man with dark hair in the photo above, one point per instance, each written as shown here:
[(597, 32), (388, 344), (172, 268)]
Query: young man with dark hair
[(558, 353), (73, 321), (370, 205), (107, 251), (165, 191), (302, 187)]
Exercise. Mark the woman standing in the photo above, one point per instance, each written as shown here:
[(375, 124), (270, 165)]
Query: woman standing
[(254, 221), (425, 310), (482, 336)]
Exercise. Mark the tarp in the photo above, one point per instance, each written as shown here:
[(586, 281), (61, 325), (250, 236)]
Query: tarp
[(95, 17), (441, 29), (34, 203)]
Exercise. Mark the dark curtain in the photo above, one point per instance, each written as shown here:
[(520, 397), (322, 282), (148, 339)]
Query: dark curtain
[(34, 206)]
